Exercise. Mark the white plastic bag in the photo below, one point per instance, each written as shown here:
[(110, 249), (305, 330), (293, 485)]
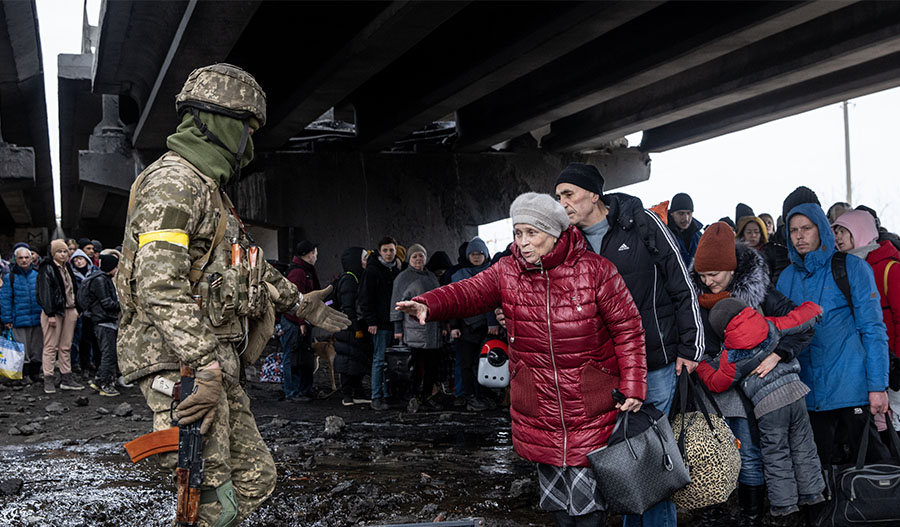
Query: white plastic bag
[(12, 357)]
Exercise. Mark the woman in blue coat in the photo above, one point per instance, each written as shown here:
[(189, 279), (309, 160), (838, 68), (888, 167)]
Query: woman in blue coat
[(846, 364)]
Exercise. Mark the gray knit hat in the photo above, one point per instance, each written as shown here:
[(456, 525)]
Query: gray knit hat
[(539, 210), (415, 248)]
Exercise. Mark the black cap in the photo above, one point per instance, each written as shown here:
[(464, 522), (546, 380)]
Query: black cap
[(722, 313), (582, 175), (799, 196), (681, 201), (730, 223), (742, 210), (84, 242), (97, 245), (305, 247), (108, 262)]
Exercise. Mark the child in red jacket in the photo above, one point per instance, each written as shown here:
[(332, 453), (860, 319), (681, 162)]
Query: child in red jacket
[(790, 463)]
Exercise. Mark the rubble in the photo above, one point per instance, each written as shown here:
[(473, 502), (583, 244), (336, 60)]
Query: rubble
[(123, 410)]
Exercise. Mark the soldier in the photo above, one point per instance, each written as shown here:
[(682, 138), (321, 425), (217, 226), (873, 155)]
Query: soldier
[(195, 292)]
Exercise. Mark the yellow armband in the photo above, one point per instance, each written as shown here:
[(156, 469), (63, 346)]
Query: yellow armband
[(179, 238)]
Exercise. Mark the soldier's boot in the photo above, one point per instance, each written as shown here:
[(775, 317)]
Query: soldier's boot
[(219, 506)]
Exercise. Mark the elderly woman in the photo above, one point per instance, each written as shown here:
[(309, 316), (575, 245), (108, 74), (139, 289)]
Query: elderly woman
[(855, 232), (723, 269), (423, 341), (574, 333)]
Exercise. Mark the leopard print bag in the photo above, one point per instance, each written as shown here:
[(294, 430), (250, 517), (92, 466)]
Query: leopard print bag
[(708, 447)]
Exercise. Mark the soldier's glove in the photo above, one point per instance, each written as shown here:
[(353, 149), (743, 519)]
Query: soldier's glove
[(313, 309), (203, 400)]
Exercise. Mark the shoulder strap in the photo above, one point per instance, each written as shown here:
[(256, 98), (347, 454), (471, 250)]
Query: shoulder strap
[(886, 270), (839, 273)]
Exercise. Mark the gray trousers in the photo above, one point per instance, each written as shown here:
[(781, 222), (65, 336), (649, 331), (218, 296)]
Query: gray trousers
[(790, 460), (33, 338)]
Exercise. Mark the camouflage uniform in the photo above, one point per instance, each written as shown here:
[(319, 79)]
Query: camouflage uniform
[(172, 222)]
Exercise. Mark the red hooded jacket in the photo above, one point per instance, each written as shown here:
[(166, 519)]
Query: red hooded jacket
[(574, 334), (879, 259)]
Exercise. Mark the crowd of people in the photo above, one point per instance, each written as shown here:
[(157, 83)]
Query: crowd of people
[(64, 309)]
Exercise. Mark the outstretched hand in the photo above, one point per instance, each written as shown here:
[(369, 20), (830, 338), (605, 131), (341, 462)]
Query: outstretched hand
[(416, 310)]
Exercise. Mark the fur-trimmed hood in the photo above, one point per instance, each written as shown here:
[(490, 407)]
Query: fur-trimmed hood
[(751, 277)]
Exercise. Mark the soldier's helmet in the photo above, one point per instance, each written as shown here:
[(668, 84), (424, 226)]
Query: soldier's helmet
[(223, 89)]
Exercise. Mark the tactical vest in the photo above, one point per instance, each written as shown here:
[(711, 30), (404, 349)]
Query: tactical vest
[(228, 288)]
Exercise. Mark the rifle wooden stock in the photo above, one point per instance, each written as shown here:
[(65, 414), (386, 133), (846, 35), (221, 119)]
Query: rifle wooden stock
[(158, 442)]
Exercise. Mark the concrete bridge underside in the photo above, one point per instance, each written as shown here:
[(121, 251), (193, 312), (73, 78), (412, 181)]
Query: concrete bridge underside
[(452, 106)]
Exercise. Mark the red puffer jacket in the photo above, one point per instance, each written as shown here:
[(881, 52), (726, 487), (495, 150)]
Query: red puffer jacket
[(888, 278), (574, 334)]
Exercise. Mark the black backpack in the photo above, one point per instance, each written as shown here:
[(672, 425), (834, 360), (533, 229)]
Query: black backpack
[(83, 295)]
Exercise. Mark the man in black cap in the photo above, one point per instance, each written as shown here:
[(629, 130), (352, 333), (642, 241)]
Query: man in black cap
[(299, 361), (97, 297), (87, 245), (619, 228), (684, 226)]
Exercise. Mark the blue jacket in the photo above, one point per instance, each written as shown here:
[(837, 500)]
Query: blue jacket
[(20, 306), (848, 356)]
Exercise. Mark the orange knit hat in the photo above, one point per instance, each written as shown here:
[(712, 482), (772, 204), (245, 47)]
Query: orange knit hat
[(715, 252)]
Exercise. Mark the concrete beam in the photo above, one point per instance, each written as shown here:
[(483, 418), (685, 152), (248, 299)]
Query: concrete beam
[(392, 33), (20, 53), (92, 200), (673, 38), (850, 36), (206, 34), (16, 205), (857, 81), (449, 192), (16, 165), (472, 67)]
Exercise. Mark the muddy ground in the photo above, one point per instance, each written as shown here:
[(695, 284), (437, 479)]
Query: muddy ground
[(387, 467)]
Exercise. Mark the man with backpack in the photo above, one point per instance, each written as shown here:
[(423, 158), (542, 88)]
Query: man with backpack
[(98, 302), (846, 364), (619, 228)]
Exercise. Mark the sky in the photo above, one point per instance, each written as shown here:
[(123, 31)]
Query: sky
[(758, 166)]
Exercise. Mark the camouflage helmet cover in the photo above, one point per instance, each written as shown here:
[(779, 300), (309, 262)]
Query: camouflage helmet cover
[(225, 89)]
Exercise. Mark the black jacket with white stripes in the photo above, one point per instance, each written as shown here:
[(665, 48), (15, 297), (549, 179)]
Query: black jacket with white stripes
[(648, 258)]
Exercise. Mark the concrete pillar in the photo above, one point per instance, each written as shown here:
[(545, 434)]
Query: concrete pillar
[(108, 165), (17, 174)]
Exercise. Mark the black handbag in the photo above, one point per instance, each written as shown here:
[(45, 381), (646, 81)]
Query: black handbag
[(640, 466), (863, 494)]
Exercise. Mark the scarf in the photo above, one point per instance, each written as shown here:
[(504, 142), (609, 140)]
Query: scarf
[(708, 300), (212, 160)]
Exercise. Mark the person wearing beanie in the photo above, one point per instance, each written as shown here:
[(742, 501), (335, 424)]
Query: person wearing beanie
[(375, 308), (846, 364), (724, 268), (836, 210), (471, 331), (552, 285), (728, 221), (56, 296), (86, 245), (619, 228), (98, 248), (100, 304), (684, 226), (298, 362), (798, 196), (883, 233), (793, 472), (423, 341), (851, 230)]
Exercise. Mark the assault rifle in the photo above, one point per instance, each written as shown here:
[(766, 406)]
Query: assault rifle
[(187, 440), (189, 471)]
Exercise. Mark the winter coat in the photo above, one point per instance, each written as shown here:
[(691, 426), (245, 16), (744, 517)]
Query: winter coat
[(573, 328), (879, 259), (749, 339), (304, 276), (687, 239), (848, 356), (375, 293), (102, 302), (751, 285), (776, 256), (84, 272), (51, 290), (409, 284), (350, 345), (647, 256), (18, 298)]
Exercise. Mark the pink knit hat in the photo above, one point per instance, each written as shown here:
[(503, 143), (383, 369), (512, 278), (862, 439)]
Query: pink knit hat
[(861, 225)]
